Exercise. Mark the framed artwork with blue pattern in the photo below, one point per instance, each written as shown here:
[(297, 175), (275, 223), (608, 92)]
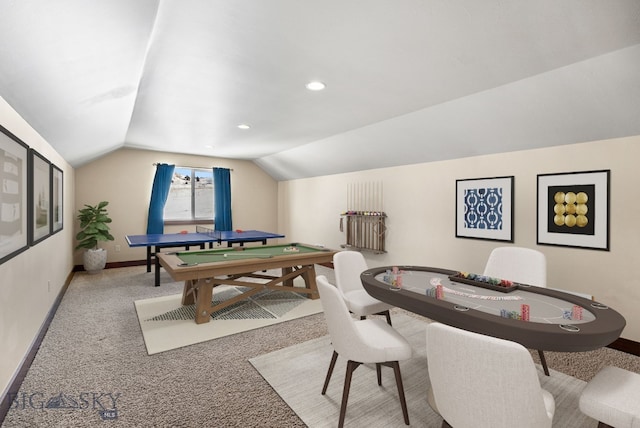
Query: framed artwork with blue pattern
[(484, 208)]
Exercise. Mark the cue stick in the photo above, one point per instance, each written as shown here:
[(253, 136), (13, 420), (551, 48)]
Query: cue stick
[(355, 197), (368, 230)]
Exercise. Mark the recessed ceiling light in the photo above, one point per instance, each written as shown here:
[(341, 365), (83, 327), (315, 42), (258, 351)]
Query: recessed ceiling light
[(244, 126), (316, 86), (208, 147)]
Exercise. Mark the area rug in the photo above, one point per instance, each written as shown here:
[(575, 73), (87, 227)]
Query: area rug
[(166, 324), (297, 374)]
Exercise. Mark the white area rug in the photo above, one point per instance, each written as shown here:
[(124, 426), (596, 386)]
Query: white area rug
[(297, 374), (166, 324)]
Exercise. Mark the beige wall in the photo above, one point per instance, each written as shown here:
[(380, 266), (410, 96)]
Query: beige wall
[(125, 177), (31, 281), (420, 203)]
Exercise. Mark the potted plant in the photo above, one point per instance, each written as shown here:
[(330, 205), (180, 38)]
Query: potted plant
[(93, 229)]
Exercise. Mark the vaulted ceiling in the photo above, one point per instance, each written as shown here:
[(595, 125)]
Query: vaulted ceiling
[(407, 80)]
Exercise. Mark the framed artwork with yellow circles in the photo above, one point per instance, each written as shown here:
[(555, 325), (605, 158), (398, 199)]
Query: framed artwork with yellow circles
[(573, 209)]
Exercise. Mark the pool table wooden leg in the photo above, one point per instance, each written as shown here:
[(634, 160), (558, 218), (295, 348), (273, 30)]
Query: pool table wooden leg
[(204, 295), (199, 292), (285, 271), (309, 277), (188, 293)]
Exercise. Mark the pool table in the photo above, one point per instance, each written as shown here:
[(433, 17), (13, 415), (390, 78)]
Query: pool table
[(202, 236), (202, 271)]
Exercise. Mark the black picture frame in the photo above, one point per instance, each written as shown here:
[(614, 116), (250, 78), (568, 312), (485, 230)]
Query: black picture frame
[(14, 202), (484, 208), (573, 209), (57, 199), (39, 198)]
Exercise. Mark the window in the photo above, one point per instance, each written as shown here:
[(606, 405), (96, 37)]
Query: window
[(190, 196)]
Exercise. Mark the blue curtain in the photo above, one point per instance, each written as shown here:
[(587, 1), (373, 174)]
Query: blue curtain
[(222, 202), (159, 193)]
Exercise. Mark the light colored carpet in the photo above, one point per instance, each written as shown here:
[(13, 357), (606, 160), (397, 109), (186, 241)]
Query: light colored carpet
[(373, 406), (94, 345), (166, 324)]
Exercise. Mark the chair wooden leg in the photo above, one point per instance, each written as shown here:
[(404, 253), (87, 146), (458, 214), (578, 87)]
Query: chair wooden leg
[(351, 366), (403, 401), (543, 361), (388, 315), (334, 357)]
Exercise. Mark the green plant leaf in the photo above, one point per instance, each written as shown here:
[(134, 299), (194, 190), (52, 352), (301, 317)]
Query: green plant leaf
[(93, 225)]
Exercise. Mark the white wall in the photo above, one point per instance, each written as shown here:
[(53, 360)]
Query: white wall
[(420, 203), (31, 281), (125, 177)]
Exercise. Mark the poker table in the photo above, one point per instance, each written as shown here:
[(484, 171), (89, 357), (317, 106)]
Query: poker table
[(202, 271), (557, 320)]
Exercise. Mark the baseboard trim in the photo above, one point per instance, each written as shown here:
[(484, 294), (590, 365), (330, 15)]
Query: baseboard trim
[(626, 345), (14, 386), (129, 263)]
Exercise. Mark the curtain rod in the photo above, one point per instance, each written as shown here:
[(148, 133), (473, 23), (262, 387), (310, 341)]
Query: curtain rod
[(195, 167)]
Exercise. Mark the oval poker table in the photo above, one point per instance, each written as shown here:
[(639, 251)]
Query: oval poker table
[(552, 325)]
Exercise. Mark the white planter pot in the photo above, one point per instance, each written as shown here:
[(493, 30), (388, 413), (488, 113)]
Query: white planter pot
[(94, 260)]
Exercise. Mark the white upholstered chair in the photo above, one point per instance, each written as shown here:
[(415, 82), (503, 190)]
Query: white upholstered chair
[(523, 265), (479, 380), (348, 265), (360, 342), (612, 398)]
